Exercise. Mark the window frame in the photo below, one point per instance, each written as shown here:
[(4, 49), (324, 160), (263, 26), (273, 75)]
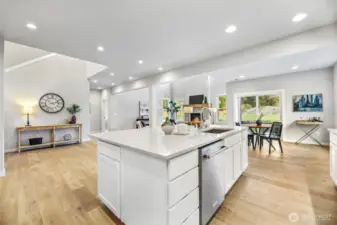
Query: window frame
[(217, 107), (237, 100)]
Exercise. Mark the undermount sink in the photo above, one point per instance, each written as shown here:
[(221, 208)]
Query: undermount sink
[(217, 131)]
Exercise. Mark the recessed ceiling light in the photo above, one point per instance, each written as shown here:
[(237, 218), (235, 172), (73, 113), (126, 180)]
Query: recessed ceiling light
[(112, 83), (242, 76), (231, 29), (140, 62), (130, 78), (299, 17), (31, 26), (295, 67), (100, 48), (95, 81), (112, 74), (160, 68)]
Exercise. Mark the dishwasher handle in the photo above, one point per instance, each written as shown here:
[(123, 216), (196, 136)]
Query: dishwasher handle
[(223, 148)]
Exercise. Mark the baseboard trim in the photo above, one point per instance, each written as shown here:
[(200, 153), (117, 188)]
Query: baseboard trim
[(86, 139), (3, 172), (11, 150), (306, 143)]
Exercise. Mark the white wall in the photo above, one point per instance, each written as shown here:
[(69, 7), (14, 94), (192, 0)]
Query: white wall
[(335, 95), (124, 108), (315, 81), (24, 86), (186, 87), (95, 111), (2, 149)]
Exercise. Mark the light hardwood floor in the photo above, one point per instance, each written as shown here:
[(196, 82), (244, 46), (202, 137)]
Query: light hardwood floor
[(58, 186)]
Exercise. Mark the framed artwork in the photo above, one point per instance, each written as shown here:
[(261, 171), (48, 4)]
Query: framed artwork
[(144, 109), (308, 103)]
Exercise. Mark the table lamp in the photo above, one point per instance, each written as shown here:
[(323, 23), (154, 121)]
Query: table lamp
[(28, 110)]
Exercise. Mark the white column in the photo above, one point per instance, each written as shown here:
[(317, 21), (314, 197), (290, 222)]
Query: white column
[(2, 145), (105, 107), (153, 106), (335, 94)]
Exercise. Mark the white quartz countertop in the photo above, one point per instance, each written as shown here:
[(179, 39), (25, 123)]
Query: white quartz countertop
[(154, 143), (332, 130)]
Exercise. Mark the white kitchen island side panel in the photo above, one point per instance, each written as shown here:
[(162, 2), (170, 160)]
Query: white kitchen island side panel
[(144, 189)]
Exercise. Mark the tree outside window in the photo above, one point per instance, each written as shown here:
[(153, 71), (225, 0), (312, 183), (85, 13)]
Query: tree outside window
[(180, 113), (252, 107), (222, 108), (164, 109)]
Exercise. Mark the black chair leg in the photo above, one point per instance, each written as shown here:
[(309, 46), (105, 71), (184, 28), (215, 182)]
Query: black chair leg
[(270, 146), (279, 142), (261, 143)]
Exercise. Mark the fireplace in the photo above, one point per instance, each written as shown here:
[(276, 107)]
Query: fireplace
[(195, 115)]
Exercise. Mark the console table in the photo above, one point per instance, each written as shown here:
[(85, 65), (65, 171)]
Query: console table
[(315, 125), (52, 129)]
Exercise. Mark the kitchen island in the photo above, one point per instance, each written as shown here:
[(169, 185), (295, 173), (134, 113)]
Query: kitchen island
[(145, 177)]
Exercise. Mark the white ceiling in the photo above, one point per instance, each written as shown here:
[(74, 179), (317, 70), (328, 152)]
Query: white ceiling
[(16, 54), (315, 59), (161, 33)]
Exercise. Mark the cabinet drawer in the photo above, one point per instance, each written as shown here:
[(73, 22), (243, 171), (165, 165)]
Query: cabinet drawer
[(183, 185), (112, 151), (232, 140), (333, 138), (193, 219), (184, 209), (182, 164)]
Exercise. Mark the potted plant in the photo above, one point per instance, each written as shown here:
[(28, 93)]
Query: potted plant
[(172, 110), (259, 119), (73, 109)]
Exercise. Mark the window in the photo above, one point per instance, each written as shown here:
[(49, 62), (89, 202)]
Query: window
[(180, 113), (222, 108), (164, 109), (268, 106)]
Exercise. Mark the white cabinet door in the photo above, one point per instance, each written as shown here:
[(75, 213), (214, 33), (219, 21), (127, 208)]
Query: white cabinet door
[(244, 155), (333, 162), (109, 183), (237, 161), (335, 165), (229, 169)]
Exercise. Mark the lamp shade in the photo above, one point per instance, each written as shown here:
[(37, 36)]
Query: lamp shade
[(28, 109)]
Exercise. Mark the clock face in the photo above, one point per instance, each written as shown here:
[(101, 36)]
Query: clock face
[(51, 103)]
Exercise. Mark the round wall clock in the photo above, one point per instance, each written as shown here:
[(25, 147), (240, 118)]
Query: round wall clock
[(51, 103)]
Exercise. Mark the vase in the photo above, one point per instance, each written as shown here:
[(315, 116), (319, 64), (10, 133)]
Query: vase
[(167, 127), (259, 122), (73, 120)]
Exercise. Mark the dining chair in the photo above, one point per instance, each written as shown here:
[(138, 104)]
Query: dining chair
[(274, 134), (250, 135)]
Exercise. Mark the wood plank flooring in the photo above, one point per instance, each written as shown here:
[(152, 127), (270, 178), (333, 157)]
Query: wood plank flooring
[(58, 186)]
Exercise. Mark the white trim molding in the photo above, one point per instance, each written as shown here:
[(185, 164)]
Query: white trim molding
[(29, 62), (3, 172)]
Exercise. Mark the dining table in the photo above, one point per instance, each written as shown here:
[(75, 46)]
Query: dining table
[(258, 130)]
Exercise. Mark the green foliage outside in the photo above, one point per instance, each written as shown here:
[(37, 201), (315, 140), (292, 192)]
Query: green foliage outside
[(269, 106), (222, 108)]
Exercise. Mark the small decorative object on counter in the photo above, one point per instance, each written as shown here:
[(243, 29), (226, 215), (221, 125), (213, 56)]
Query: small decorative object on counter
[(73, 109), (67, 137), (167, 127), (259, 120)]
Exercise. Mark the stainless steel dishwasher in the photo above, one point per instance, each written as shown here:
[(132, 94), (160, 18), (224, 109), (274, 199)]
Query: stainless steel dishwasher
[(212, 174)]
